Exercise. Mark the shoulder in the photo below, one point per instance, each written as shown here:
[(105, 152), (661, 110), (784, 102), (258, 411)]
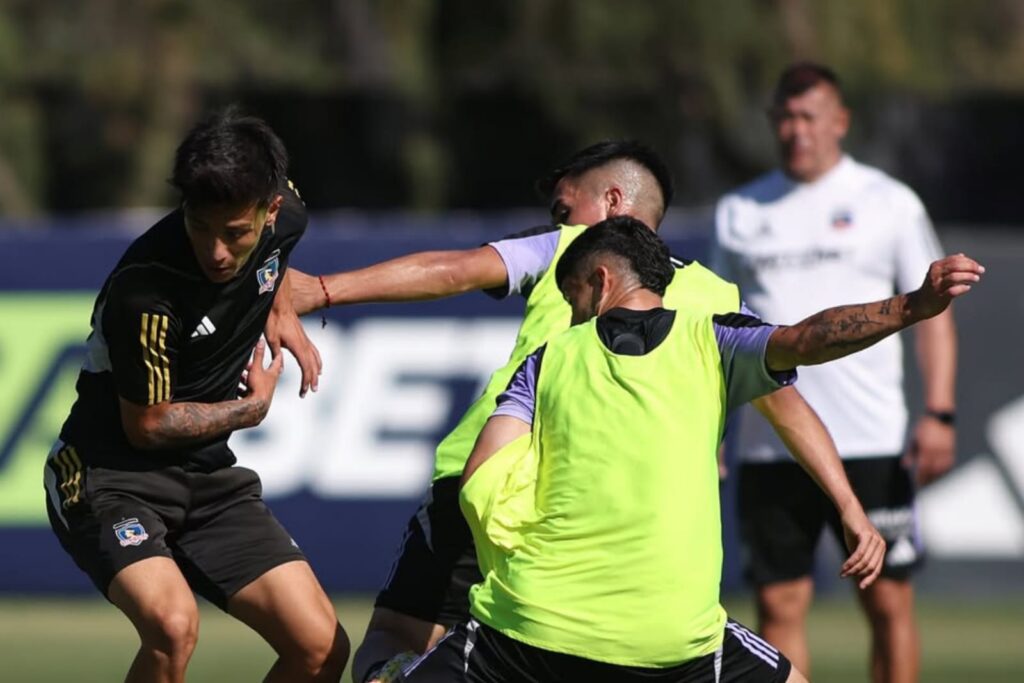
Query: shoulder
[(540, 231), (704, 289), (692, 271), (879, 187), (745, 204), (156, 265), (764, 189)]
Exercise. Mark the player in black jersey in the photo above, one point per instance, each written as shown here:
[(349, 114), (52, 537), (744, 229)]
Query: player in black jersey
[(141, 487)]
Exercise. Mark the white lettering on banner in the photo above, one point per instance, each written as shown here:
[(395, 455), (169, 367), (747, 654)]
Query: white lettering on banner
[(972, 512), (384, 399)]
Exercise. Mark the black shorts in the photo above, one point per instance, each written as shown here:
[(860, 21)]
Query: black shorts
[(475, 653), (436, 563), (215, 525), (782, 513)]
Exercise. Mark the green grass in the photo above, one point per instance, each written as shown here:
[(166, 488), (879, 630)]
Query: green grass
[(44, 640)]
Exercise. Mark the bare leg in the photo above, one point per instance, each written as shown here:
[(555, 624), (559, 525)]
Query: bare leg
[(782, 616), (795, 676), (290, 610), (156, 598), (895, 643), (391, 633)]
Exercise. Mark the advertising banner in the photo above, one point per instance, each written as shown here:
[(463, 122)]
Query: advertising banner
[(345, 468)]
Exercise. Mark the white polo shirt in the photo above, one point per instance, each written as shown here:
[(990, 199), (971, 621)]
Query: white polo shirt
[(854, 235)]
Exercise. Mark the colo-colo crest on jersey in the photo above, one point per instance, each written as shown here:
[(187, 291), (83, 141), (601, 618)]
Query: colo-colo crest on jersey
[(266, 276)]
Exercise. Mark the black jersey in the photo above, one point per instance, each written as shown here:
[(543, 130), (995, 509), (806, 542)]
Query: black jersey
[(162, 331)]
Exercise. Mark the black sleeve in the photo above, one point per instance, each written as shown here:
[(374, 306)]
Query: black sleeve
[(143, 335)]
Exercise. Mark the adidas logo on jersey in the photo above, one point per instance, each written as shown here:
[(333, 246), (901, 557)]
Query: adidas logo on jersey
[(204, 328)]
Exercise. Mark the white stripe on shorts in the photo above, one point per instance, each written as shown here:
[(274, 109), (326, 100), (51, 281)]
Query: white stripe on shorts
[(471, 628), (411, 666), (754, 645)]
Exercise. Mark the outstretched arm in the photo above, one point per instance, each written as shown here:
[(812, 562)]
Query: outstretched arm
[(414, 277), (806, 437), (840, 331)]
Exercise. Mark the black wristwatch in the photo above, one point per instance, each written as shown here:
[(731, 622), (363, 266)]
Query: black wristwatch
[(946, 417)]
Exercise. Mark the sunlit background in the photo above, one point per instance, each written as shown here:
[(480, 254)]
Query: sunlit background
[(423, 125)]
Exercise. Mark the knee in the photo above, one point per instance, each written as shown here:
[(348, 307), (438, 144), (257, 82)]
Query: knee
[(172, 632), (784, 603), (888, 602), (324, 651)]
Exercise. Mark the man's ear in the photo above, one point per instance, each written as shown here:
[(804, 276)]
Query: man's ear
[(615, 202), (272, 210), (601, 283)]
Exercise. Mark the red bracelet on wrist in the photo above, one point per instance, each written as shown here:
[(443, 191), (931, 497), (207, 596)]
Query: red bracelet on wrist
[(327, 296)]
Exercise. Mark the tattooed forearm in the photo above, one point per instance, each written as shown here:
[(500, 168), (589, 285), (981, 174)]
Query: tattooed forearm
[(180, 424), (836, 332)]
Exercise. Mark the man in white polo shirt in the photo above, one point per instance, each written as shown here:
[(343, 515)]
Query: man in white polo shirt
[(820, 231)]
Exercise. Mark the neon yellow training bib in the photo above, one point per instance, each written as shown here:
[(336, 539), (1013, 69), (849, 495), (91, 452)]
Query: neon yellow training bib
[(694, 288), (619, 557)]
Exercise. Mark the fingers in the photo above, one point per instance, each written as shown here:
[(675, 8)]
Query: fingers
[(308, 373), (276, 365), (257, 354), (867, 559), (319, 366), (311, 365), (958, 262)]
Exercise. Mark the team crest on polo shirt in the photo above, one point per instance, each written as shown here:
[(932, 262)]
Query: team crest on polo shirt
[(267, 274), (130, 532), (842, 218)]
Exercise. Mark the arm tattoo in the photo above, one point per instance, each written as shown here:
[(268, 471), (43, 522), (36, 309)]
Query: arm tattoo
[(837, 332), (187, 423)]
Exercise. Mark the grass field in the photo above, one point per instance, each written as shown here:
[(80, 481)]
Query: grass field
[(48, 640)]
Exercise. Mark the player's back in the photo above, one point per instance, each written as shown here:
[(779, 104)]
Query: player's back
[(621, 558)]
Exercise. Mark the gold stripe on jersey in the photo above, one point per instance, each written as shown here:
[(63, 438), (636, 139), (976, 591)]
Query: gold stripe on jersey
[(153, 337), (144, 340), (71, 475), (165, 363), (154, 334), (65, 473), (76, 480)]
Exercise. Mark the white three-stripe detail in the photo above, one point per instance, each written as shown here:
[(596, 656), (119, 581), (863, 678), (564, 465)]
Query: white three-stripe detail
[(766, 653)]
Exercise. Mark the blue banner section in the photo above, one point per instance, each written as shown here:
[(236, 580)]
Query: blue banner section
[(345, 468), (342, 469)]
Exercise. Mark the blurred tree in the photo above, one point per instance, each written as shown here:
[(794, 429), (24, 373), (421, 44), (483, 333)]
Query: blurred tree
[(450, 103)]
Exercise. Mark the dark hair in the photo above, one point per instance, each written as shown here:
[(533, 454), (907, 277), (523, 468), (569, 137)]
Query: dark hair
[(603, 152), (230, 158), (800, 77), (628, 238)]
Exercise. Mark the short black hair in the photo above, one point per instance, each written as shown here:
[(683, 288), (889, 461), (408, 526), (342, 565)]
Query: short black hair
[(230, 158), (626, 237), (601, 153), (798, 78)]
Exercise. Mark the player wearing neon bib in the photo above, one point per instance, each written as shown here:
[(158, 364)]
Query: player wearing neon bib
[(611, 572), (427, 589), (693, 287)]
